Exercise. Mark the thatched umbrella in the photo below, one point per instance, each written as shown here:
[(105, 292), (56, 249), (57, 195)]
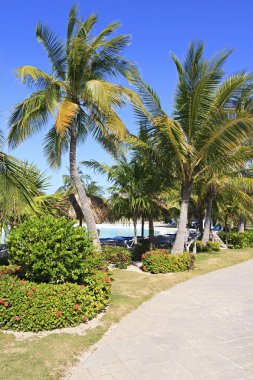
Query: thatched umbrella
[(99, 207)]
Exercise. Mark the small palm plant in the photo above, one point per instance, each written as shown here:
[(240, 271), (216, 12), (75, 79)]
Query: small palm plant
[(79, 91)]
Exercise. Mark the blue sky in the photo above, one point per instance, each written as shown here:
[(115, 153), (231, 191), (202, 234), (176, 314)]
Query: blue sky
[(157, 27)]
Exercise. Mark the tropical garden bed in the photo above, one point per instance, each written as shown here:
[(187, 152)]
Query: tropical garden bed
[(57, 352)]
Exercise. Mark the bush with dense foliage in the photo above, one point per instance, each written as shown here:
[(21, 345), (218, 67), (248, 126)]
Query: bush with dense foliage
[(139, 250), (30, 306), (211, 246), (119, 256), (162, 261), (51, 250), (238, 239)]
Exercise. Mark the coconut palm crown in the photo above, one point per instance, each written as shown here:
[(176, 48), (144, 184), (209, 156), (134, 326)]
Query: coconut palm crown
[(78, 93)]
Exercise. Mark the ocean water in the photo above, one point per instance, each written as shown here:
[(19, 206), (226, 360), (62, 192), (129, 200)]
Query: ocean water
[(113, 230)]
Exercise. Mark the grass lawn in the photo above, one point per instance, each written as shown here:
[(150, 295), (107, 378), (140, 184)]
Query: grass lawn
[(50, 357)]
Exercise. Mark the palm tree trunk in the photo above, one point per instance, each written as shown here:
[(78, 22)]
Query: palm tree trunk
[(151, 233), (135, 229), (142, 226), (241, 225), (209, 205), (84, 201), (178, 246)]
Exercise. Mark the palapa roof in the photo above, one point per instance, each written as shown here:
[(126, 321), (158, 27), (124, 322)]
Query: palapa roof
[(99, 207)]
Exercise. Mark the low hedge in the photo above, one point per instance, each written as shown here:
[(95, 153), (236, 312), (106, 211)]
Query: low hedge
[(238, 239), (161, 261), (118, 256), (29, 306), (211, 246)]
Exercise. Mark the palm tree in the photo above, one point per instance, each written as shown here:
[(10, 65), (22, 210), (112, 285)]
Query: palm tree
[(200, 133), (79, 91), (91, 187), (139, 187), (129, 199)]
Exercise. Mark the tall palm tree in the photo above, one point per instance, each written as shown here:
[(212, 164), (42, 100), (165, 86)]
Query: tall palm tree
[(79, 91), (200, 133)]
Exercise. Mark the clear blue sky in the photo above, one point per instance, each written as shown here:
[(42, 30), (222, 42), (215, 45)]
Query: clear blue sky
[(157, 27)]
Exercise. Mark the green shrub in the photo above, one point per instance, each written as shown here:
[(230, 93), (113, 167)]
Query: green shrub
[(200, 246), (238, 239), (51, 250), (139, 250), (119, 256), (29, 306), (161, 261), (212, 246)]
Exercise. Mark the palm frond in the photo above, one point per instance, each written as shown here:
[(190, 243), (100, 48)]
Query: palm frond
[(55, 144), (28, 117), (66, 114), (55, 49), (34, 77)]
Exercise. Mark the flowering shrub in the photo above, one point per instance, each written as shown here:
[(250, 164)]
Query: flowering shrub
[(9, 269), (29, 306), (161, 261), (51, 250), (238, 239), (118, 256)]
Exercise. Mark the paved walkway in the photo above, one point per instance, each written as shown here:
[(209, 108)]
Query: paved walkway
[(200, 329)]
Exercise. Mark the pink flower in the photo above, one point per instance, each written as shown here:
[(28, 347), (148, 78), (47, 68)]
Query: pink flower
[(76, 306), (6, 304), (17, 318), (1, 301), (29, 294), (58, 313)]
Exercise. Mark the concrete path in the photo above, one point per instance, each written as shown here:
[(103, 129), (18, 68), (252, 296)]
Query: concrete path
[(200, 329)]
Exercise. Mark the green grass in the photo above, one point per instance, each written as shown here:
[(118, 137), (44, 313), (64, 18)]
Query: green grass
[(49, 358)]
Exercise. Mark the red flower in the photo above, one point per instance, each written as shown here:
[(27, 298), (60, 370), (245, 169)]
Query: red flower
[(58, 313), (108, 280), (76, 306), (29, 294), (85, 319), (1, 301), (17, 318), (6, 304)]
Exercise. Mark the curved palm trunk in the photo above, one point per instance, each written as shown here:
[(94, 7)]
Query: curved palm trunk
[(178, 246), (84, 201), (209, 205), (151, 233), (241, 224)]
